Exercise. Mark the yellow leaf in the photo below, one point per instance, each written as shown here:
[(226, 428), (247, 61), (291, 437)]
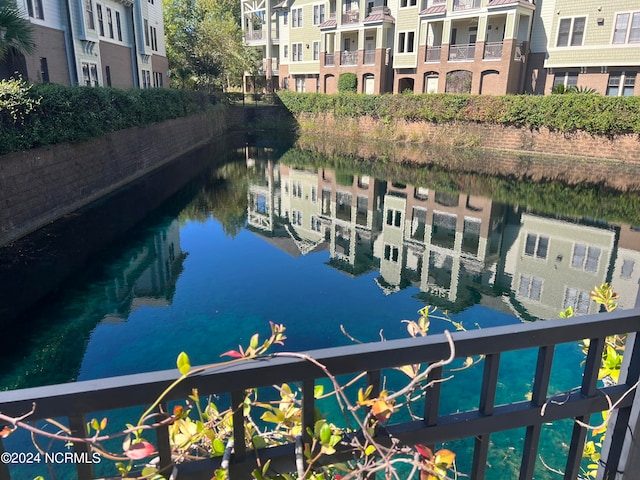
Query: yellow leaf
[(444, 458)]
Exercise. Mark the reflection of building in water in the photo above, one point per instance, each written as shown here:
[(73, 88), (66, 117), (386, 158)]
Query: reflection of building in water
[(438, 242), (352, 211), (626, 270), (454, 248), (150, 277), (554, 264)]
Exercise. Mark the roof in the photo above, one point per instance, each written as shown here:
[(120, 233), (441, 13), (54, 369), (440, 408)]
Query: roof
[(379, 17), (329, 23), (496, 3), (435, 9)]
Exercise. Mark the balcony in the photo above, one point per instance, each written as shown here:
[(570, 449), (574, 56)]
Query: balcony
[(329, 60), (79, 402), (348, 58), (433, 54), (461, 5), (369, 57), (255, 36), (462, 53), (352, 16), (492, 51)]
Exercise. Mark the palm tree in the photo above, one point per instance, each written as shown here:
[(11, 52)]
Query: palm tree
[(15, 31)]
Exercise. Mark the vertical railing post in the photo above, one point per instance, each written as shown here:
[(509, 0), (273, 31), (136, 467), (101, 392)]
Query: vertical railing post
[(621, 451), (78, 428)]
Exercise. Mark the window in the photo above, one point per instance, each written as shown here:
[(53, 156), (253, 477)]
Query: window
[(296, 217), (405, 42), (285, 18), (536, 246), (568, 79), (318, 14), (44, 70), (625, 31), (394, 217), (146, 32), (154, 38), (296, 189), (571, 32), (316, 51), (94, 75), (285, 53), (100, 19), (35, 9), (88, 13), (86, 77), (157, 79), (110, 22), (107, 71), (90, 74), (627, 269), (391, 253), (530, 287), (408, 3), (578, 300), (296, 21), (296, 52), (315, 224), (621, 84), (585, 258), (300, 84), (146, 79), (118, 26), (314, 194)]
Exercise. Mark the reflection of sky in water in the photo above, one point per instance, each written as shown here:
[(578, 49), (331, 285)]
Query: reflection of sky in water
[(186, 285)]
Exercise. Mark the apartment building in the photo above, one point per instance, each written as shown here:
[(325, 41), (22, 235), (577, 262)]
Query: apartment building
[(94, 43), (457, 46)]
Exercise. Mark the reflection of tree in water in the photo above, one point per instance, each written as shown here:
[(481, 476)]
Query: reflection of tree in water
[(223, 197)]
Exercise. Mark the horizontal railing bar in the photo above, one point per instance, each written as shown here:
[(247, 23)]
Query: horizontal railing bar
[(507, 417), (138, 389), (451, 427)]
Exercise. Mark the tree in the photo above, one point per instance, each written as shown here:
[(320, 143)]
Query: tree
[(15, 31), (204, 43)]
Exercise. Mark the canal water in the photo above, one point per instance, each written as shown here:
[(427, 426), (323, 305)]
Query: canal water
[(320, 243)]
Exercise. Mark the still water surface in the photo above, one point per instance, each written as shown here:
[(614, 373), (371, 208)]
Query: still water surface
[(314, 244)]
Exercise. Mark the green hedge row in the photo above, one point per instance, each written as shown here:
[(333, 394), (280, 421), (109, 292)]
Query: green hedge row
[(74, 114), (594, 114)]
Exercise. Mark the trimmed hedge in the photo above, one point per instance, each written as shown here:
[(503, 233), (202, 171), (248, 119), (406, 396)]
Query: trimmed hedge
[(75, 114), (594, 114)]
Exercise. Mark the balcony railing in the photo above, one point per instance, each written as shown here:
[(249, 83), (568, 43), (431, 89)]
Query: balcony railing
[(492, 50), (369, 57), (329, 60), (348, 58), (433, 54), (78, 401), (379, 10), (255, 36), (352, 16), (462, 52), (459, 5)]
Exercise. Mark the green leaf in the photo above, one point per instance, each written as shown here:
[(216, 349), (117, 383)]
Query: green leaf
[(325, 433), (369, 450), (318, 391), (258, 442), (183, 363), (218, 446), (253, 343)]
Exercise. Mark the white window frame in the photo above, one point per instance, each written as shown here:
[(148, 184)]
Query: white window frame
[(572, 32), (536, 246), (565, 78), (319, 14), (301, 84), (89, 15), (316, 50), (404, 44), (584, 264), (578, 300), (529, 290), (625, 79), (285, 52), (296, 52), (627, 30), (296, 17)]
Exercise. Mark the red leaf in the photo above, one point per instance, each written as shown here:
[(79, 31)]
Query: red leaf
[(140, 450), (6, 431), (232, 353), (424, 451)]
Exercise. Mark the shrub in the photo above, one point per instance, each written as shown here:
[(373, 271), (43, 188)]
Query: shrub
[(46, 114), (348, 82)]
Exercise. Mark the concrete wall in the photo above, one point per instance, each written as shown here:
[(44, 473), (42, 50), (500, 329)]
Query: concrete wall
[(41, 185)]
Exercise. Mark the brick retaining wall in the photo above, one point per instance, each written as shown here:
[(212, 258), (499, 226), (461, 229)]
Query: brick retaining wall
[(38, 186), (622, 148)]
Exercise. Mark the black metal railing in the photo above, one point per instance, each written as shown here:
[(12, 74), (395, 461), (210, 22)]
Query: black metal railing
[(77, 401)]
